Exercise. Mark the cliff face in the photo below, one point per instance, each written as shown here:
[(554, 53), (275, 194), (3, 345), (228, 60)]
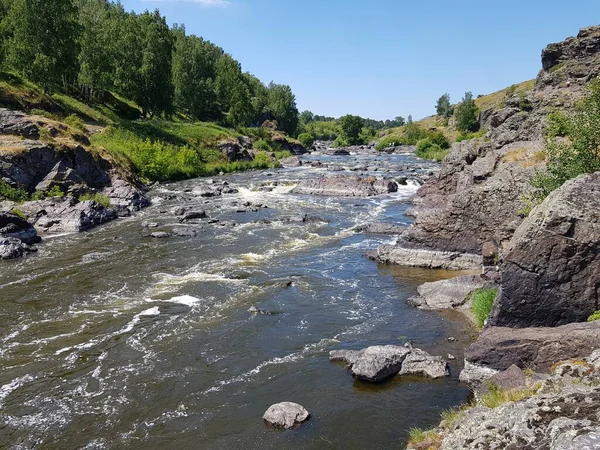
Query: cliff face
[(480, 193)]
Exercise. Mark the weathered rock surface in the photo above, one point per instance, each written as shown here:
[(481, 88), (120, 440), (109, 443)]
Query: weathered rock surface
[(13, 226), (126, 197), (551, 267), (292, 161), (346, 186), (286, 415), (380, 228), (12, 248), (447, 294), (380, 362), (18, 123), (433, 259), (234, 151), (498, 348), (67, 214)]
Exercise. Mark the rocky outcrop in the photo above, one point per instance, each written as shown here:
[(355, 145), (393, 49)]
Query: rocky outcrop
[(551, 269), (234, 151), (67, 214), (498, 348), (18, 123), (433, 259), (447, 294), (346, 186), (126, 197), (380, 362), (286, 415), (16, 236)]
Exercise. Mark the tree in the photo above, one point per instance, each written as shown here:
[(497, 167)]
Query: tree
[(409, 121), (282, 106), (399, 121), (351, 128), (43, 46), (443, 107), (467, 115), (306, 117)]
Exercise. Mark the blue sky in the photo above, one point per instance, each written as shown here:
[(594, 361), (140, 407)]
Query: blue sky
[(382, 58)]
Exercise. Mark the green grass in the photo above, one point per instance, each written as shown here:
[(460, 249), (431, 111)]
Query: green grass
[(594, 316), (7, 192), (434, 153), (497, 397), (482, 301), (496, 99), (98, 198), (466, 136), (424, 438)]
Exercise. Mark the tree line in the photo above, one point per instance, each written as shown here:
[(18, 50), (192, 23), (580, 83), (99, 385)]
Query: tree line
[(89, 47)]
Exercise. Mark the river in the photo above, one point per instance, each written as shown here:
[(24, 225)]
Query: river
[(111, 339)]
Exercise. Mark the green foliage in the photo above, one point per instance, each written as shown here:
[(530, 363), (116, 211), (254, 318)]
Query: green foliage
[(579, 153), (594, 316), (262, 145), (524, 102), (509, 92), (557, 125), (466, 136), (75, 122), (7, 192), (19, 213), (306, 139), (282, 106), (323, 130), (56, 191), (97, 197), (351, 127), (428, 149), (443, 107), (482, 301), (467, 115), (497, 397)]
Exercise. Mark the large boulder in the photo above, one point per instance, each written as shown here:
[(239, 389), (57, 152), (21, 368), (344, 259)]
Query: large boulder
[(286, 415), (234, 151), (346, 186), (498, 348), (62, 176), (126, 197), (447, 294), (551, 267), (380, 362), (18, 123), (13, 226)]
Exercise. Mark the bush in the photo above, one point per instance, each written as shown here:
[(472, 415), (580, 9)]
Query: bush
[(75, 122), (306, 139), (56, 191), (437, 137), (466, 136), (7, 192), (98, 198), (262, 145), (482, 301), (579, 154), (594, 316), (391, 140)]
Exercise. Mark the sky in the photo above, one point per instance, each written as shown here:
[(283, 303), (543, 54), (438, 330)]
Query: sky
[(382, 58)]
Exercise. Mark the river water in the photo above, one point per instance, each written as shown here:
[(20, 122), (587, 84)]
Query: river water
[(111, 339)]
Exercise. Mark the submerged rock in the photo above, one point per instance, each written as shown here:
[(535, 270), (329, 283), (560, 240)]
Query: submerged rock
[(286, 415)]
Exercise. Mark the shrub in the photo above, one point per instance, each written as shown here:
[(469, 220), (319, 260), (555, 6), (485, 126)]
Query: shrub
[(97, 197), (306, 139), (510, 90), (391, 140), (482, 301), (579, 154), (74, 121), (466, 136), (262, 145), (524, 103), (437, 137), (8, 192), (594, 316), (262, 160), (56, 191)]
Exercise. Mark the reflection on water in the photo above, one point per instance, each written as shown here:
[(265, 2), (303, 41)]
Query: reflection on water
[(111, 339)]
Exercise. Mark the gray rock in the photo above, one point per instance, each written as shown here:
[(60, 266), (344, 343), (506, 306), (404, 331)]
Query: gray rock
[(475, 374), (18, 123), (13, 226), (194, 215), (498, 348), (346, 186), (380, 228), (62, 175), (234, 151), (205, 191), (419, 362), (286, 415), (160, 235), (292, 161), (12, 248), (552, 260), (434, 259), (126, 196), (447, 294)]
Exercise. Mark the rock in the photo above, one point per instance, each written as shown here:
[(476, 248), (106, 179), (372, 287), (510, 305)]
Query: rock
[(125, 196), (434, 259), (508, 380), (475, 374), (451, 357), (191, 215), (62, 175), (551, 269), (341, 152), (346, 186), (13, 226), (498, 348), (447, 294), (419, 362), (160, 235), (304, 219), (259, 312), (286, 415), (67, 214), (292, 161), (150, 225), (185, 232), (205, 191), (380, 228), (12, 248), (234, 151), (178, 211), (380, 362), (374, 364)]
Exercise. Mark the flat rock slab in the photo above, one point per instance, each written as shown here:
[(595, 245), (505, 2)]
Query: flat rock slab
[(286, 415), (380, 362), (346, 186), (447, 294), (498, 348), (433, 259)]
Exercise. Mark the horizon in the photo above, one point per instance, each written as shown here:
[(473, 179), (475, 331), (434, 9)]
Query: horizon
[(334, 71)]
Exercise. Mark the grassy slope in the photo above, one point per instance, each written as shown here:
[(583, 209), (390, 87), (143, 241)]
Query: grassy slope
[(155, 149), (493, 100)]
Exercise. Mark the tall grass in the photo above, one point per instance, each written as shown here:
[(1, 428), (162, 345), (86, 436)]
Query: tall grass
[(482, 301)]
